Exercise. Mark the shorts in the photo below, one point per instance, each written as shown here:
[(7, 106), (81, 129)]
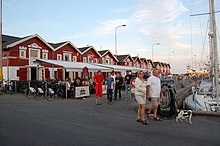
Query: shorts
[(155, 101), (98, 91), (140, 99)]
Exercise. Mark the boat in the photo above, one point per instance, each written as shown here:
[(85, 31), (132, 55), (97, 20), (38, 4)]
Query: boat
[(202, 99), (206, 96)]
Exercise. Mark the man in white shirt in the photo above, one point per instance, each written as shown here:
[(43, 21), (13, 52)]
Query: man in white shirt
[(154, 93)]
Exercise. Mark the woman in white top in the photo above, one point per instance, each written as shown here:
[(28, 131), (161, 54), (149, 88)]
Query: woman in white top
[(140, 95)]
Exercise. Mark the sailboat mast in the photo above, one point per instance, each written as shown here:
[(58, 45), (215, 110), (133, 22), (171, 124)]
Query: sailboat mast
[(214, 50)]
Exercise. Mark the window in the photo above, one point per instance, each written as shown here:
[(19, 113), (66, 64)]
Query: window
[(74, 58), (17, 73), (45, 55), (107, 61), (33, 53), (90, 58), (95, 60), (22, 53), (84, 59), (67, 56), (103, 60), (59, 57)]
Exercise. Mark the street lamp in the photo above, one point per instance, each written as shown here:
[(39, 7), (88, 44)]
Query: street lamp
[(7, 64), (171, 52), (153, 50), (116, 37)]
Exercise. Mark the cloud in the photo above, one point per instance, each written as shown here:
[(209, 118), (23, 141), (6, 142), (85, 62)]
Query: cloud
[(151, 21), (155, 21)]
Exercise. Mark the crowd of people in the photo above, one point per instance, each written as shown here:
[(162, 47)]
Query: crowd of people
[(113, 84), (149, 89)]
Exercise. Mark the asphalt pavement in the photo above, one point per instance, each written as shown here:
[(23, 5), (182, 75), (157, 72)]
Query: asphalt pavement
[(71, 122)]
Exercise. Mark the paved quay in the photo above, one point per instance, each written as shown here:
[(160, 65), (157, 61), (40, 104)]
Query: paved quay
[(30, 122)]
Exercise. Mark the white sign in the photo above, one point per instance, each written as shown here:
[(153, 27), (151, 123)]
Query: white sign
[(82, 91), (104, 89)]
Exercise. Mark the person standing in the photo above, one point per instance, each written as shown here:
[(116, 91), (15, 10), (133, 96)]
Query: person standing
[(110, 86), (118, 85), (140, 95), (68, 87), (154, 93), (127, 81), (98, 79)]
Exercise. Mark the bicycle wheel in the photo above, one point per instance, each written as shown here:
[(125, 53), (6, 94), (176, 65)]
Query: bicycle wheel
[(27, 94), (60, 95), (38, 96), (50, 97)]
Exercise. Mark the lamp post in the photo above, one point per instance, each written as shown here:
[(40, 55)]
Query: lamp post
[(1, 74), (116, 37), (171, 52), (153, 50), (7, 64)]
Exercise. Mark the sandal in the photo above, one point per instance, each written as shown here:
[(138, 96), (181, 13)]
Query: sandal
[(148, 115), (139, 120), (157, 119), (144, 122)]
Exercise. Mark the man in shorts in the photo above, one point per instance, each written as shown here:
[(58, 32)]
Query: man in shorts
[(154, 93)]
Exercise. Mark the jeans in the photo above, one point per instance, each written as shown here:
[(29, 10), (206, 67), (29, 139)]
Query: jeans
[(126, 95), (117, 90), (109, 94)]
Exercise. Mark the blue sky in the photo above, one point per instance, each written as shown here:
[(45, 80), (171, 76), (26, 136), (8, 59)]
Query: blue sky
[(92, 22)]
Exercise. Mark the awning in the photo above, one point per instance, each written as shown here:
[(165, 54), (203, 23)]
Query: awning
[(74, 65), (119, 67)]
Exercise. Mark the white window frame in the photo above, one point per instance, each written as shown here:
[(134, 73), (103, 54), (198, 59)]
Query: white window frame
[(46, 55), (107, 61), (68, 55), (74, 59), (89, 59), (84, 59), (112, 62), (96, 60), (59, 56), (22, 51), (45, 52)]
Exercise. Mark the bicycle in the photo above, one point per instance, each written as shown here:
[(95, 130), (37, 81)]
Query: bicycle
[(49, 93), (30, 91), (167, 106)]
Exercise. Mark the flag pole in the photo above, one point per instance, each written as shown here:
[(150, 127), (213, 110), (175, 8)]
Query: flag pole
[(1, 75)]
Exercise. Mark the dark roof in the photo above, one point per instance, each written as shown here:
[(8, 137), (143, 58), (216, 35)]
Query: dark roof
[(142, 59), (121, 58), (134, 58), (57, 44), (83, 49), (7, 40), (156, 63), (102, 52)]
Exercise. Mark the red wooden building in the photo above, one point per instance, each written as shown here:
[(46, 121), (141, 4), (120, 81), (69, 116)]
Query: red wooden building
[(144, 63), (19, 55), (137, 62), (107, 57), (65, 51), (125, 60)]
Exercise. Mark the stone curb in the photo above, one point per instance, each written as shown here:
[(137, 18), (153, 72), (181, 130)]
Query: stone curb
[(203, 113)]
